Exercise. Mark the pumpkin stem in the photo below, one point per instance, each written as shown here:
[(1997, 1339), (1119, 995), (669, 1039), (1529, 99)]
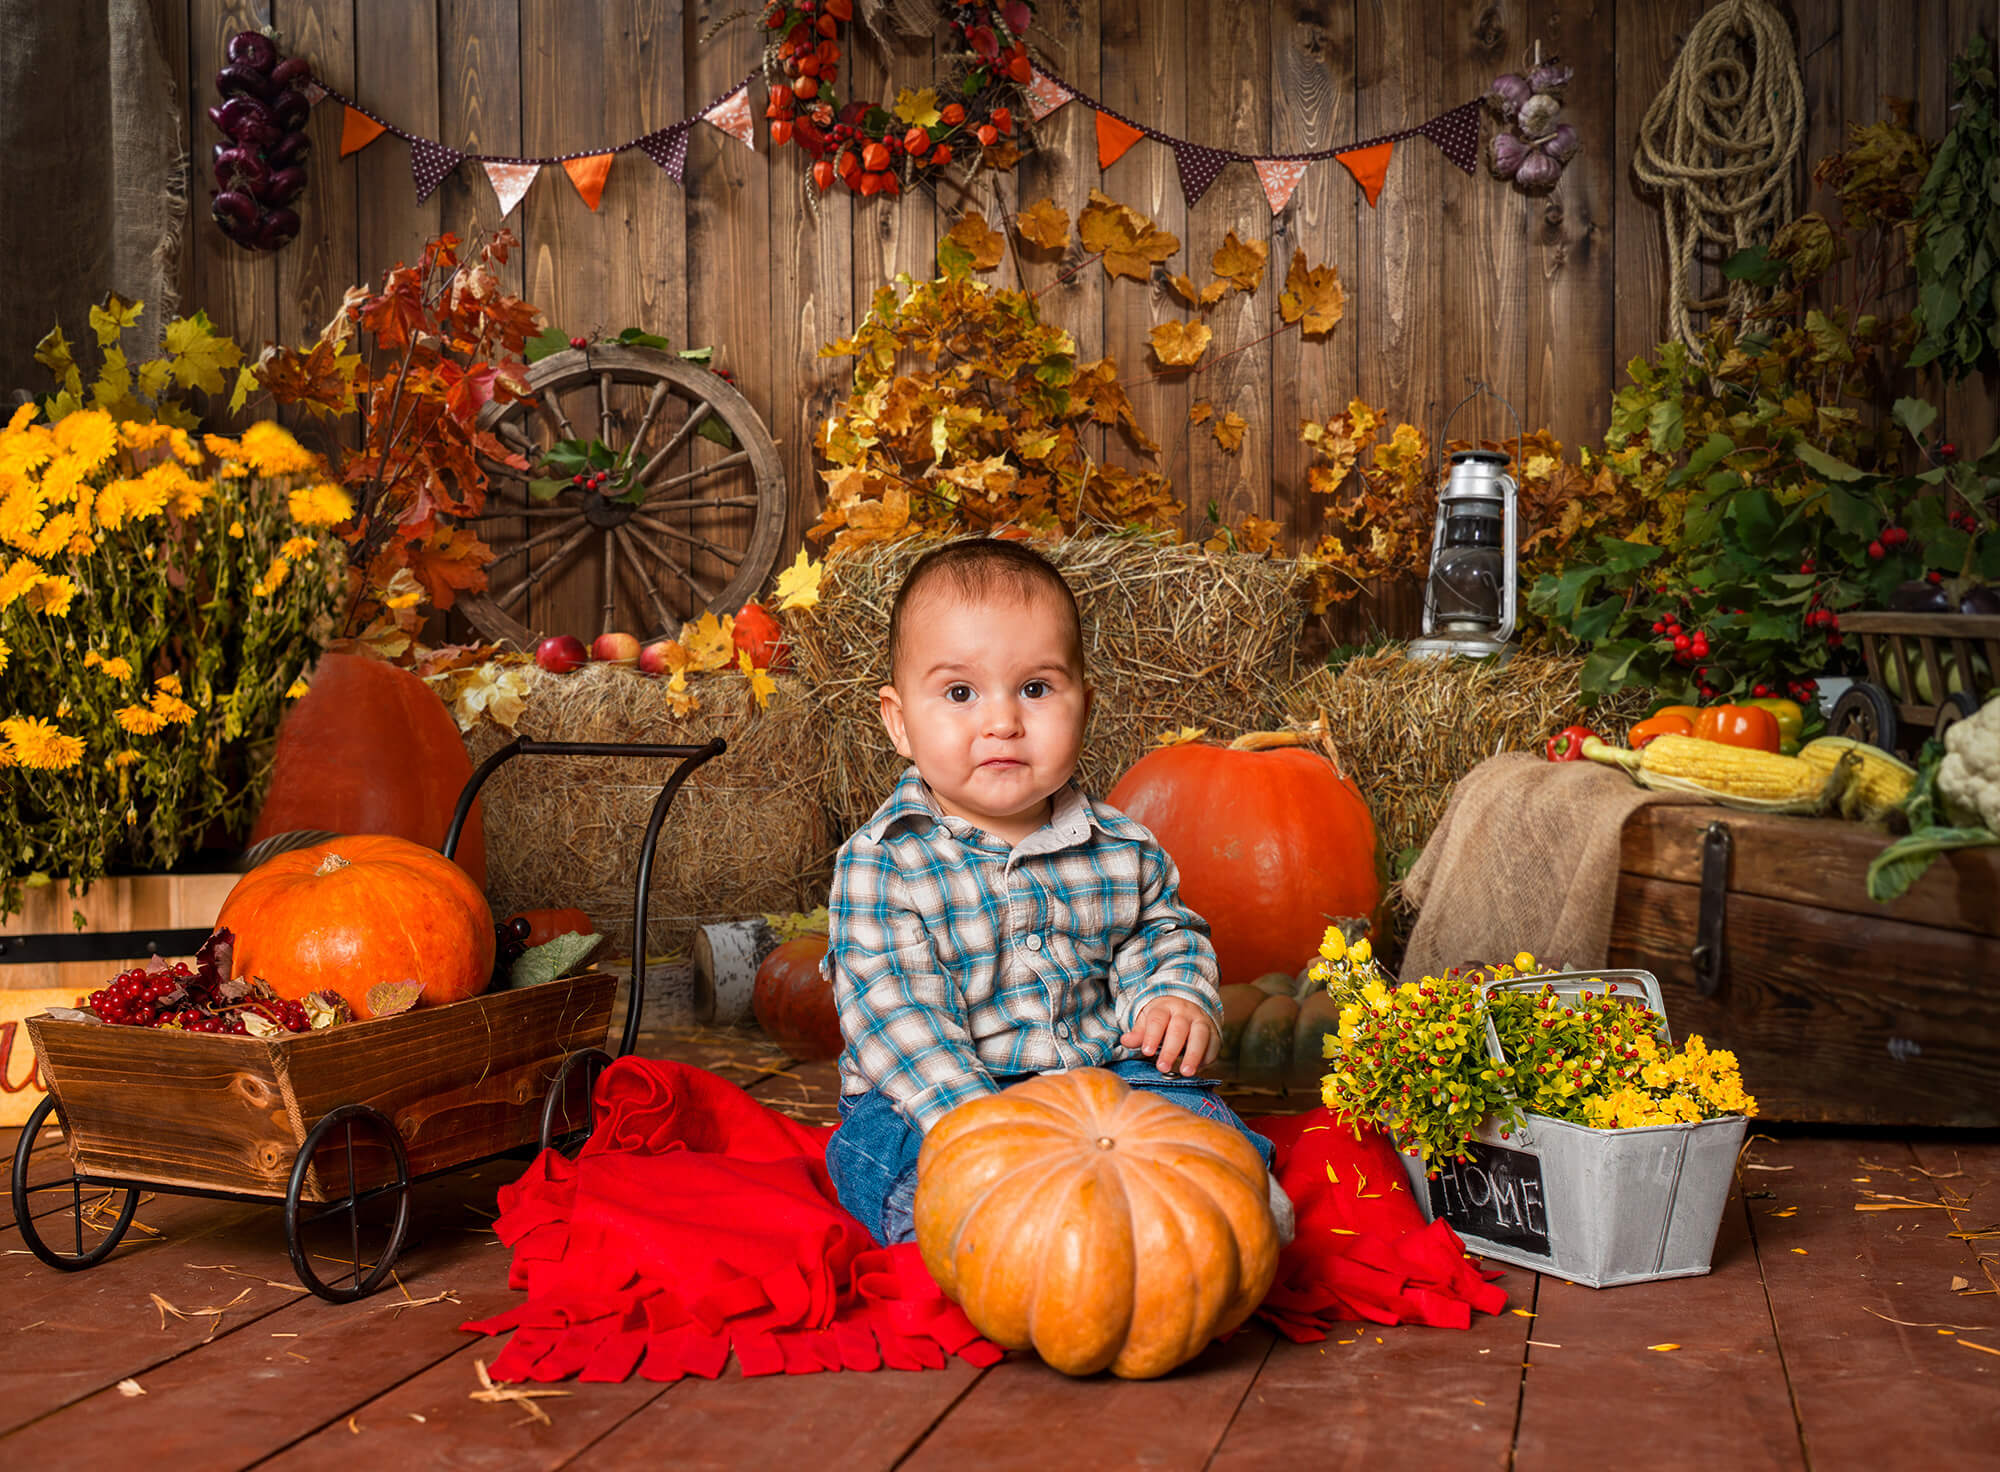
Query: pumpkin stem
[(331, 864), (1267, 740)]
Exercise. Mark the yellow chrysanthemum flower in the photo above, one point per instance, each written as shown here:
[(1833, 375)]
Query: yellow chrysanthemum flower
[(236, 530), (325, 504), (116, 668), (172, 708), (298, 688), (171, 684), (17, 579), (146, 496), (89, 437), (265, 586), (34, 742), (23, 416), (63, 479), (140, 720), (298, 547), (55, 535), (222, 448), (4, 652), (119, 759), (271, 450), (1333, 945), (52, 596), (25, 447)]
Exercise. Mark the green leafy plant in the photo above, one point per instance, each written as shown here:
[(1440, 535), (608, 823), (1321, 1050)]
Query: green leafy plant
[(1958, 248)]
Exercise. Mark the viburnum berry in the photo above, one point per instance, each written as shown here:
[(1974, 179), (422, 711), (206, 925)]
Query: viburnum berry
[(1683, 643), (1895, 536), (1760, 689), (1659, 626), (1934, 577), (1876, 551), (1947, 450), (579, 342), (1699, 646)]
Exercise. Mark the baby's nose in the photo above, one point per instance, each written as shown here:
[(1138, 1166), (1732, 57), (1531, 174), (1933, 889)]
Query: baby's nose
[(1003, 717)]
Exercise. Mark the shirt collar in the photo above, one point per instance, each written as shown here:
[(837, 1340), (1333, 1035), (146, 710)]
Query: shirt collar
[(1071, 816)]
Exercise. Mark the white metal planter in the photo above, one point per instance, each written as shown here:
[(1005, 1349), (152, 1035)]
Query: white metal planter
[(1594, 1206)]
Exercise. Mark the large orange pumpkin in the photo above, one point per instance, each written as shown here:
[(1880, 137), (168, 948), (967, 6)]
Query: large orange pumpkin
[(1097, 1224), (346, 915), (1272, 845), (793, 1002), (371, 749)]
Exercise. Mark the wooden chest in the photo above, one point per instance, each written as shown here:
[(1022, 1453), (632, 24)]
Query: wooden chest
[(1838, 1008)]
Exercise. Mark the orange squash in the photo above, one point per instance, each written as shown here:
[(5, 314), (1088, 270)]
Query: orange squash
[(545, 925), (793, 1002), (1272, 845), (371, 749), (1097, 1224), (345, 915)]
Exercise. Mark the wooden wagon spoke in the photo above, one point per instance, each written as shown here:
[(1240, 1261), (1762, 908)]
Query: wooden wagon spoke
[(512, 434), (558, 421), (605, 418), (540, 539), (607, 620), (516, 590), (514, 512), (731, 555), (680, 436), (688, 477), (646, 418), (688, 503), (665, 559)]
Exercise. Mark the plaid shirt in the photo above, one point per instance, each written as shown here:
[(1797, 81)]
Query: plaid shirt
[(954, 957)]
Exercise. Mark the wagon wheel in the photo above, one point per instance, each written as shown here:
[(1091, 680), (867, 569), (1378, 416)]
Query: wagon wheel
[(1865, 713), (556, 1108), (1956, 706), (690, 520), (356, 1277), (79, 1214)]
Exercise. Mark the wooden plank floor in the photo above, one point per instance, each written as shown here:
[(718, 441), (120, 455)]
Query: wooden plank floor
[(1852, 1321)]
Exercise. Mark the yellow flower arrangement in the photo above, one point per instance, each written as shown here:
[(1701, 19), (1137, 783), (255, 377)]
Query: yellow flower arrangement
[(159, 598)]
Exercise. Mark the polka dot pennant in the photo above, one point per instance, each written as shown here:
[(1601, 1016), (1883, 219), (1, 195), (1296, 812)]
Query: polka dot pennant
[(1457, 133), (510, 182), (668, 147), (732, 115), (429, 163), (1198, 167), (1045, 94), (1280, 177)]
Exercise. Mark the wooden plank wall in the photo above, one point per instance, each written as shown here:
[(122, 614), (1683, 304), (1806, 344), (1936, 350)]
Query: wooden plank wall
[(1450, 279)]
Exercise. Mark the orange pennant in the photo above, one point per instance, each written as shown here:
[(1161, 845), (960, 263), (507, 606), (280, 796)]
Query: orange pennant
[(357, 131), (1114, 136), (589, 174), (1369, 166)]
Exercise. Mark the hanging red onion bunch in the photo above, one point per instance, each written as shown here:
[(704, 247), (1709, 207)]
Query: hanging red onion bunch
[(1533, 148), (260, 164)]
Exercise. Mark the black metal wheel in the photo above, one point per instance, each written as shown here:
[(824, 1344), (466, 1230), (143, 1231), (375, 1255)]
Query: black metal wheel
[(557, 1109), (1955, 707), (1865, 713), (85, 1212), (332, 1141)]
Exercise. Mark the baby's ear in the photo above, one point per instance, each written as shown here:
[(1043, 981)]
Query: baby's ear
[(892, 720)]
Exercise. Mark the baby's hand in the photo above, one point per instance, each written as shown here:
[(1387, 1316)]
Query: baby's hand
[(1171, 1030)]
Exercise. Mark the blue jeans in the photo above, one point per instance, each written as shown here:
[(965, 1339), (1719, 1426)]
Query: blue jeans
[(872, 1156)]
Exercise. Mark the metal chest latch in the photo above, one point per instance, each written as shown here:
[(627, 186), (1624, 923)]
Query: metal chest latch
[(1707, 955)]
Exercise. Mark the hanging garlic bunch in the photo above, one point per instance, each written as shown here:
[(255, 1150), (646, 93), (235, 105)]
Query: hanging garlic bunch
[(1533, 148)]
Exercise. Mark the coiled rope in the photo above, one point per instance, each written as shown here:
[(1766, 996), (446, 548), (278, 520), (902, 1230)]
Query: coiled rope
[(1719, 143)]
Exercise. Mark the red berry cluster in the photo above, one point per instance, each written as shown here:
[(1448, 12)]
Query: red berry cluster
[(179, 997), (590, 480)]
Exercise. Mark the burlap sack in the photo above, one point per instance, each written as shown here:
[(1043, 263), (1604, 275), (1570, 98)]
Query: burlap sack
[(1524, 859)]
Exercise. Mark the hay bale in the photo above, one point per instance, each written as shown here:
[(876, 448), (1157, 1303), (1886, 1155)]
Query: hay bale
[(745, 835), (1172, 636), (1408, 729)]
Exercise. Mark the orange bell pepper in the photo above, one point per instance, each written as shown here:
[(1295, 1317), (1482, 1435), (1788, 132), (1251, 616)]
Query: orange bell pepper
[(1691, 712), (1666, 723), (1739, 725)]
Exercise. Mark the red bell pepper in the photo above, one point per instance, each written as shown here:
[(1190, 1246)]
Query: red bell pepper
[(1567, 744)]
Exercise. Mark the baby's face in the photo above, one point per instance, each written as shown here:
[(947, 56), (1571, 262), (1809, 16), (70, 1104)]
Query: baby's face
[(989, 703)]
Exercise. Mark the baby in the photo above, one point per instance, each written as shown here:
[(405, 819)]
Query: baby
[(992, 922)]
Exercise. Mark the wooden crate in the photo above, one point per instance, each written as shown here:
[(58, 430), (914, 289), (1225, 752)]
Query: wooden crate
[(1839, 1009), (130, 904), (460, 1082)]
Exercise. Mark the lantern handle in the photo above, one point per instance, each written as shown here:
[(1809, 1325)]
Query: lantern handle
[(1479, 386)]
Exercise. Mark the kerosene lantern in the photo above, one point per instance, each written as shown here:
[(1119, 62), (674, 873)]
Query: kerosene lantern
[(1470, 597)]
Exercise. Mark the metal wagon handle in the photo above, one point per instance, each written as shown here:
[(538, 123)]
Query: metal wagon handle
[(689, 757)]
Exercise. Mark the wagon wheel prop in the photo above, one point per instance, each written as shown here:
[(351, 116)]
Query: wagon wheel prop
[(1865, 713), (331, 1144), (692, 463), (57, 1238)]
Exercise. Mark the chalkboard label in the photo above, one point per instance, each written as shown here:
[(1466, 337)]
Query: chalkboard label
[(1497, 1194)]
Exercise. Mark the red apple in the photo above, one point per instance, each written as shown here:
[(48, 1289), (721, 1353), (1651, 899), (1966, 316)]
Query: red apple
[(561, 653), (614, 649), (653, 659)]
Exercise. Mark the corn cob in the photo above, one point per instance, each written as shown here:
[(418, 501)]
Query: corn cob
[(1760, 780), (1877, 784)]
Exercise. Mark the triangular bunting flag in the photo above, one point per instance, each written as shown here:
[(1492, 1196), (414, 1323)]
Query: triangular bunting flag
[(589, 174), (668, 147), (1457, 133), (1280, 177), (357, 131), (1045, 94), (510, 182), (1369, 166), (732, 115), (1114, 136), (429, 163), (1198, 166)]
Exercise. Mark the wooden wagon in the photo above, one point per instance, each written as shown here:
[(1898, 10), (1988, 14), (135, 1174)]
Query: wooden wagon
[(326, 1123), (1926, 673)]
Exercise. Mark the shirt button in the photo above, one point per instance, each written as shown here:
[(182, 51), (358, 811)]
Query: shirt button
[(1062, 1029), (1034, 942)]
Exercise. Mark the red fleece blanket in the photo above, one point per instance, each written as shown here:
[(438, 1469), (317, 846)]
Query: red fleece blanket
[(695, 1221)]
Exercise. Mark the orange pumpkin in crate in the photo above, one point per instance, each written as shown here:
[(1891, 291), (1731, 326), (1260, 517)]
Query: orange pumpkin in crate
[(794, 1003), (1273, 843), (371, 749), (346, 915), (1097, 1224)]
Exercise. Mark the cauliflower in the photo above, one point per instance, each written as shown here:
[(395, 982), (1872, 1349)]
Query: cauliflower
[(1969, 776)]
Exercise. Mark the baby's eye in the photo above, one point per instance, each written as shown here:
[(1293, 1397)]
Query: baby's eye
[(1035, 689), (958, 694)]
